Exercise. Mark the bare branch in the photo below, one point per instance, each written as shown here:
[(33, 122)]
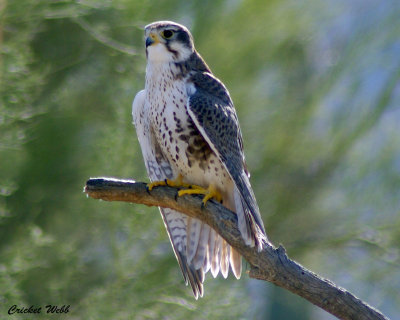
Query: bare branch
[(103, 39), (271, 264)]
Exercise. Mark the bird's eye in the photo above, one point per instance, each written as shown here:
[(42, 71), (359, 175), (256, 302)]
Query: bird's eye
[(167, 34)]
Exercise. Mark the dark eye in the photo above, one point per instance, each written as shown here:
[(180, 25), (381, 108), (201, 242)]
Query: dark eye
[(167, 34)]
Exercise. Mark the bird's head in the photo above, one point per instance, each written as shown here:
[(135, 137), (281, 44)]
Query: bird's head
[(167, 41)]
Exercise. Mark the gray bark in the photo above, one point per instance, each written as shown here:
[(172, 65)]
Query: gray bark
[(271, 264)]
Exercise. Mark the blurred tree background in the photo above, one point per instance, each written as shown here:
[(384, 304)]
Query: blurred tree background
[(316, 86)]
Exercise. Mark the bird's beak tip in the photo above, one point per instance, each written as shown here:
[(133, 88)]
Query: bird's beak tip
[(149, 41)]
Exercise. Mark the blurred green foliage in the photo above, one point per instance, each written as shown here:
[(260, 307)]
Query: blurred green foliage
[(316, 86)]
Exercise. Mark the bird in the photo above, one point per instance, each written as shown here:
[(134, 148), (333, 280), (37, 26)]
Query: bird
[(190, 138)]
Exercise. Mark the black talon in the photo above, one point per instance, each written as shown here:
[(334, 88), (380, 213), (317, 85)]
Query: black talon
[(166, 182), (202, 205), (147, 189), (176, 195)]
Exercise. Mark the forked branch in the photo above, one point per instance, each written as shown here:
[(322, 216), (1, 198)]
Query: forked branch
[(271, 264)]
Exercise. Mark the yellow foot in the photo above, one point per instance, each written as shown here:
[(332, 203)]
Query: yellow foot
[(209, 193), (178, 182)]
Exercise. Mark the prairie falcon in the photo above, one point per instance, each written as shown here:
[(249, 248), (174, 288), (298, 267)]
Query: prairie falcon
[(189, 135)]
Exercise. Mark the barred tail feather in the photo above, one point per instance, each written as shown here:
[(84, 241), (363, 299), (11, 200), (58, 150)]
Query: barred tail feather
[(213, 250), (236, 263), (225, 259), (175, 223), (200, 258), (193, 231)]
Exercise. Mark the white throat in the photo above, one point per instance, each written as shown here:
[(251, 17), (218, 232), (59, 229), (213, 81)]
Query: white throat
[(158, 53)]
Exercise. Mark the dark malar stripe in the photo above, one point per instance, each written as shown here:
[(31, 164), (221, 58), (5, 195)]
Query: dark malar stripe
[(174, 52)]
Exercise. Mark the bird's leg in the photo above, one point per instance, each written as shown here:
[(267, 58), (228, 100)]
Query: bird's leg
[(178, 182), (209, 193)]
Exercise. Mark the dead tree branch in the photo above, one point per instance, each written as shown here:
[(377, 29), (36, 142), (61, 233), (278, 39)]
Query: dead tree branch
[(271, 264)]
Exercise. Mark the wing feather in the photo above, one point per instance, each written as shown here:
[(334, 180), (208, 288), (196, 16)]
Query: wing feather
[(211, 109)]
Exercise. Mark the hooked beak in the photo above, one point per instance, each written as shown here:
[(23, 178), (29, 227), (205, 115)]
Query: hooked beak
[(151, 39)]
